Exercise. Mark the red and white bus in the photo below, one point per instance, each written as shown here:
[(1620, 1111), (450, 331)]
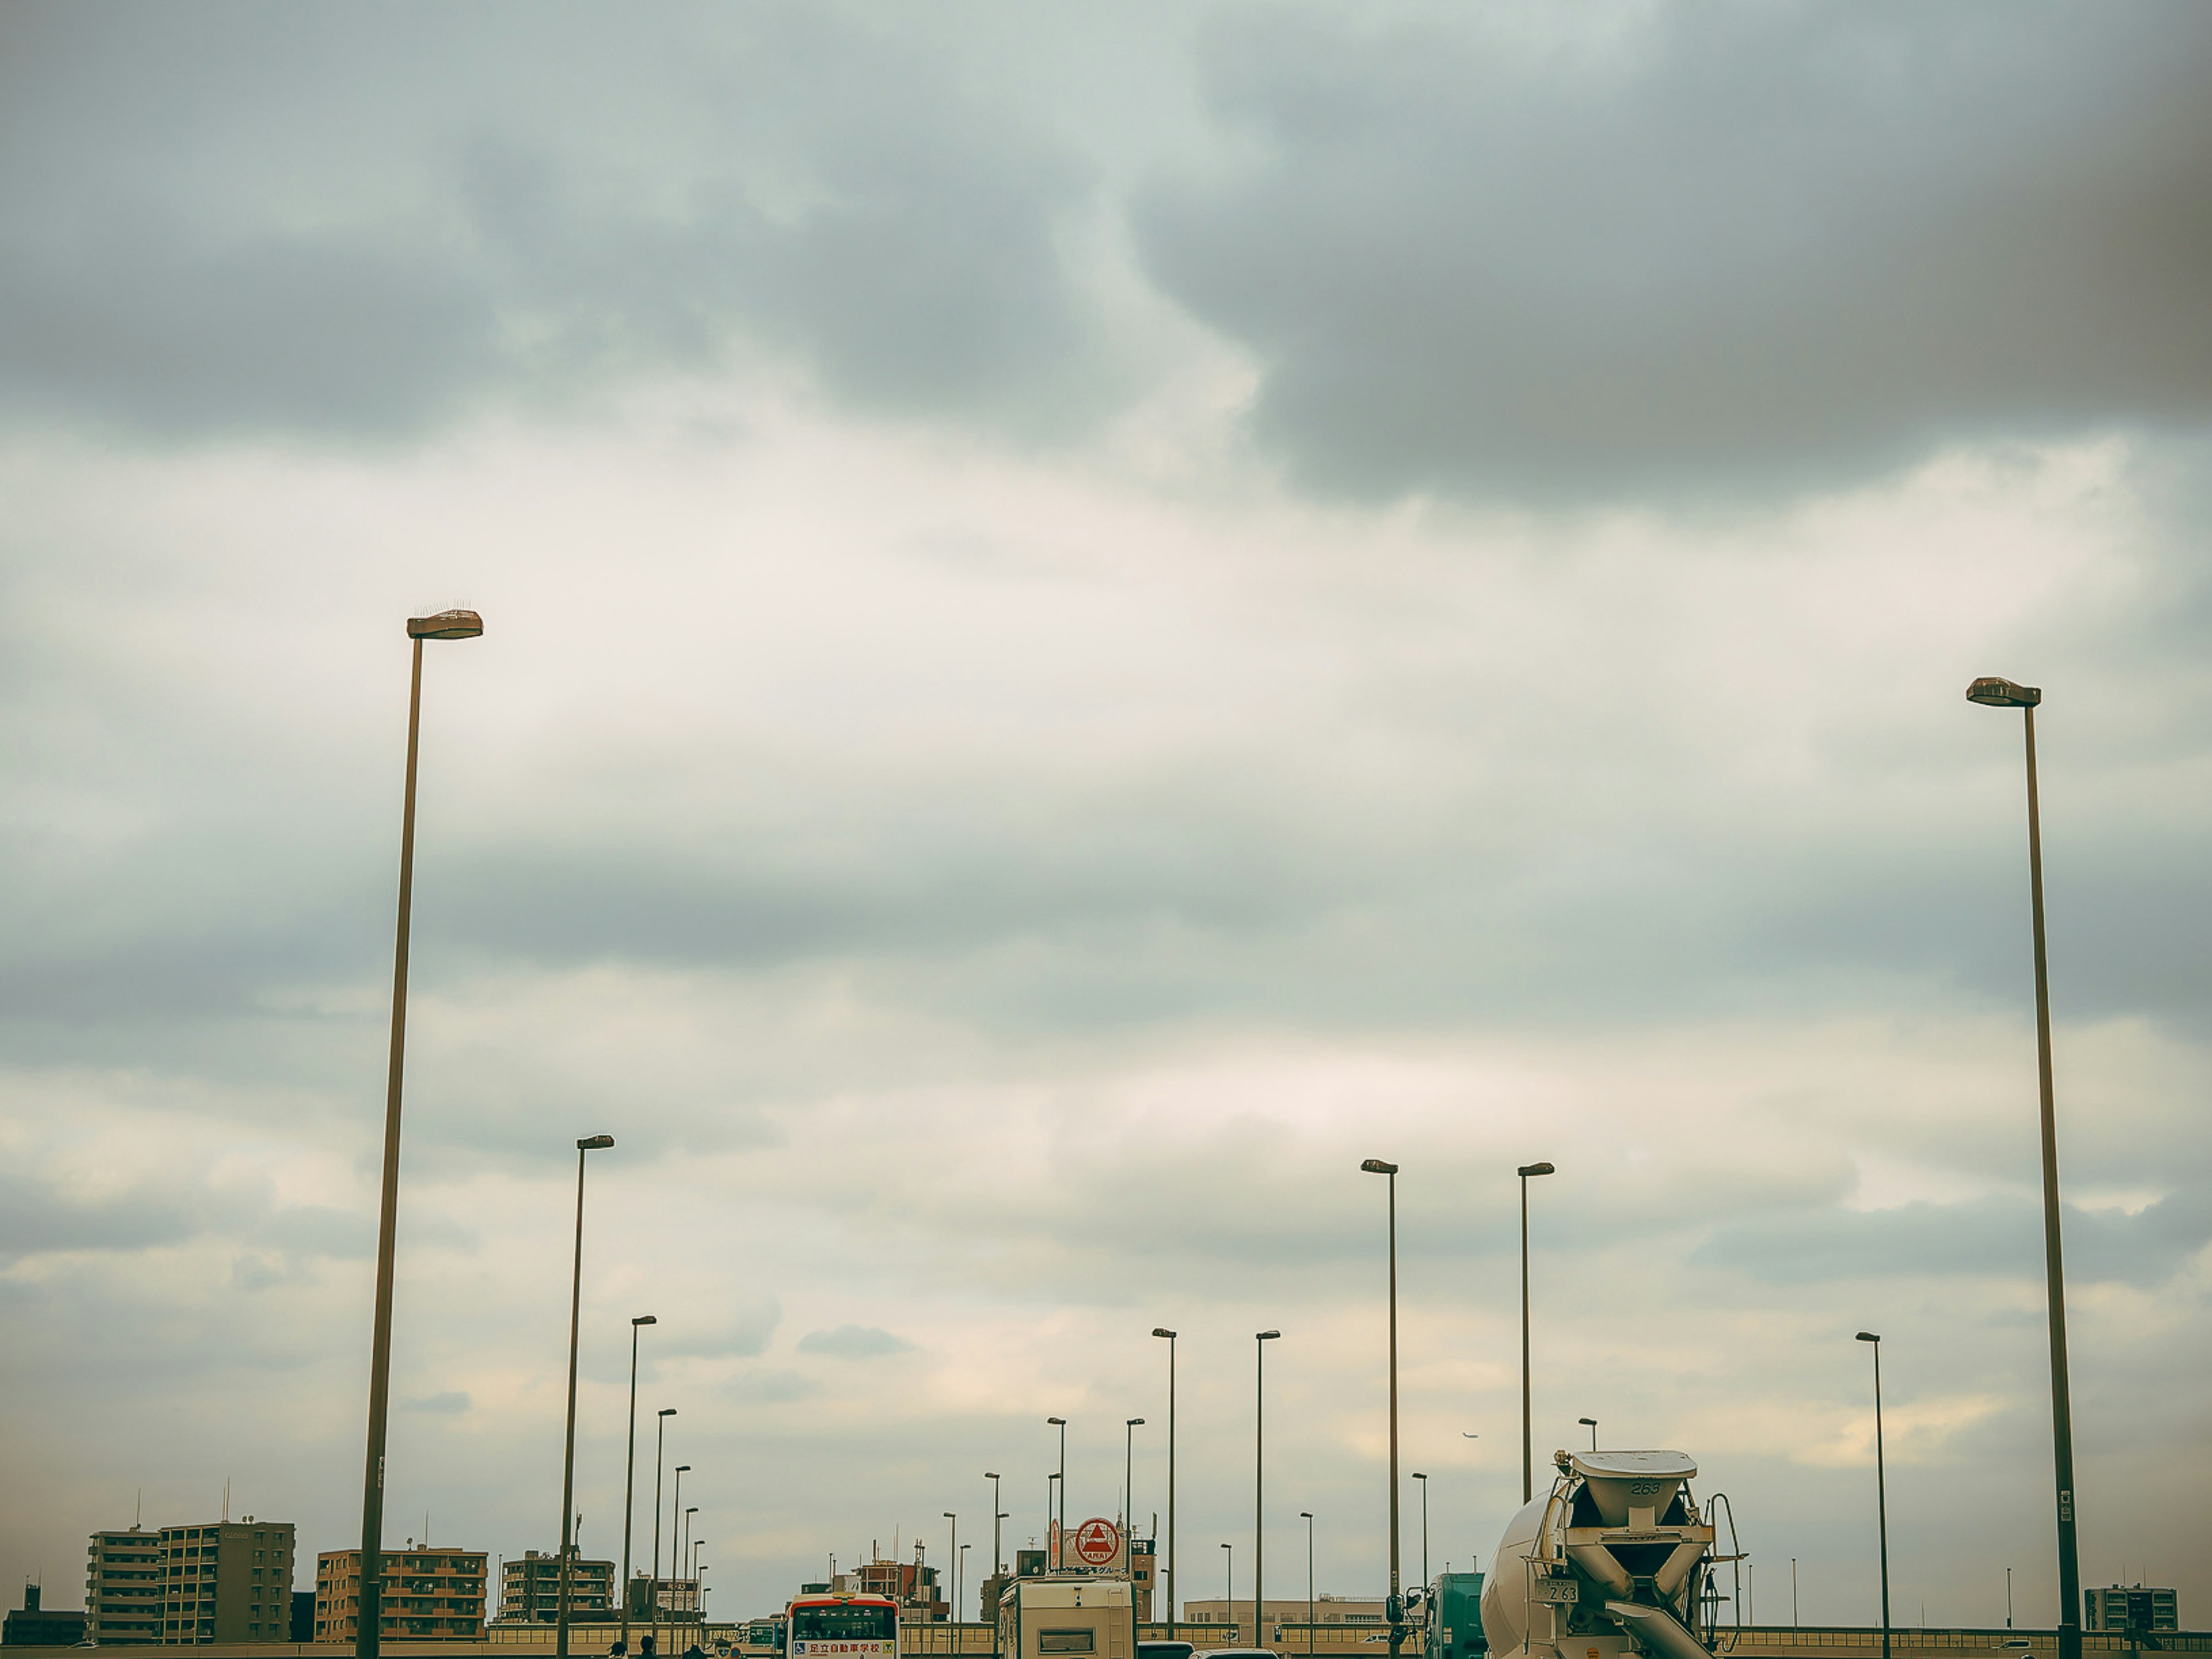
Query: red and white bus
[(841, 1625)]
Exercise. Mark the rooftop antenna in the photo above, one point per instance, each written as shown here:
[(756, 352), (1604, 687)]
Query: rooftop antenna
[(226, 1501), (138, 1511)]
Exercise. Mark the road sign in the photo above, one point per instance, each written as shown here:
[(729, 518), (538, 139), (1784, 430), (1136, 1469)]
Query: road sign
[(1097, 1542)]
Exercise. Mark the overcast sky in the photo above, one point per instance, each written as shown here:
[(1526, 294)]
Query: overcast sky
[(1093, 614)]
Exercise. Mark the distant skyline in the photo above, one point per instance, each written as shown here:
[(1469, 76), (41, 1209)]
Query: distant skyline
[(1093, 614)]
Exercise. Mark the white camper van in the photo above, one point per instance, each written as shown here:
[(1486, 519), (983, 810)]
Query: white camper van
[(1067, 1615)]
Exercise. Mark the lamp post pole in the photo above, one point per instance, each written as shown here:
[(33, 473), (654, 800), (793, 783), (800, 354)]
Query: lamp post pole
[(1259, 1341), (1880, 1488), (630, 1473), (1396, 1606), (684, 1580), (1229, 1586), (1162, 1331), (953, 1560), (1528, 1453), (1424, 1480), (653, 1578), (997, 1566), (1306, 1515), (1054, 1535), (590, 1143), (368, 1639), (1129, 1494), (2004, 694)]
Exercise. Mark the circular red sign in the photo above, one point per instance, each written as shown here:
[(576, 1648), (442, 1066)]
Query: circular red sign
[(1098, 1541)]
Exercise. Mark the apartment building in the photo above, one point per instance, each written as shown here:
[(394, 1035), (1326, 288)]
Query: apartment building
[(530, 1590), (431, 1593), (227, 1581), (2131, 1608), (123, 1588)]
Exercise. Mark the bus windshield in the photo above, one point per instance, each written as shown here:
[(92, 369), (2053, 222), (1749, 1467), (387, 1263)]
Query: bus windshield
[(844, 1623)]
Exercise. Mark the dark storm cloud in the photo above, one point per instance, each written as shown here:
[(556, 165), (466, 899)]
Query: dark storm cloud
[(358, 221), (1732, 245)]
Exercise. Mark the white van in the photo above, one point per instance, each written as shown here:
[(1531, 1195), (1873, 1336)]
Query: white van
[(1067, 1615)]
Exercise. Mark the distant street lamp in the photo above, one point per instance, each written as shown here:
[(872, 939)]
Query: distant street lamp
[(1998, 693), (1306, 1515), (1424, 1480), (953, 1560), (1229, 1590), (959, 1588), (368, 1639), (1169, 1336), (674, 1556), (1528, 1431), (1396, 1606), (1259, 1341), (653, 1578), (630, 1473), (1590, 1422), (1129, 1494), (1880, 1488), (1053, 1536), (997, 1566), (590, 1143), (689, 1585)]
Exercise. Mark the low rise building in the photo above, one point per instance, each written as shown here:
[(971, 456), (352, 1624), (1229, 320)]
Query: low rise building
[(431, 1593), (2131, 1608), (123, 1588), (1284, 1613), (33, 1626), (227, 1581), (530, 1590)]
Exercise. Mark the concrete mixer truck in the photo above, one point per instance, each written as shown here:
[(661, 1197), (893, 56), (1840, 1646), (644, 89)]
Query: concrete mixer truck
[(1610, 1564)]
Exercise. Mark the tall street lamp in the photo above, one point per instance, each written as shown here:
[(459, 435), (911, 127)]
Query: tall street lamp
[(995, 1516), (1306, 1515), (1259, 1341), (960, 1591), (2004, 694), (1424, 1480), (652, 1579), (1163, 1332), (1528, 1453), (1880, 1489), (630, 1473), (1061, 1423), (589, 1144), (1129, 1494), (1590, 1423), (367, 1640), (1396, 1605)]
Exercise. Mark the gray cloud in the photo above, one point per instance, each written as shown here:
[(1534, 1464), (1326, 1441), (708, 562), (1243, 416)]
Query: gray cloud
[(449, 1403), (1999, 1236), (1744, 246), (442, 228), (853, 1342)]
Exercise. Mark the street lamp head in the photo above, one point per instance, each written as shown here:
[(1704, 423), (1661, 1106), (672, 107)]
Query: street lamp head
[(668, 1411), (1527, 1169), (595, 1143), (1305, 1515), (1376, 1166), (645, 1319), (1586, 1422), (1134, 1422), (989, 1475), (1265, 1336), (1162, 1330), (1418, 1475), (1998, 692), (446, 625), (689, 1509), (682, 1469), (949, 1515), (1868, 1336)]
